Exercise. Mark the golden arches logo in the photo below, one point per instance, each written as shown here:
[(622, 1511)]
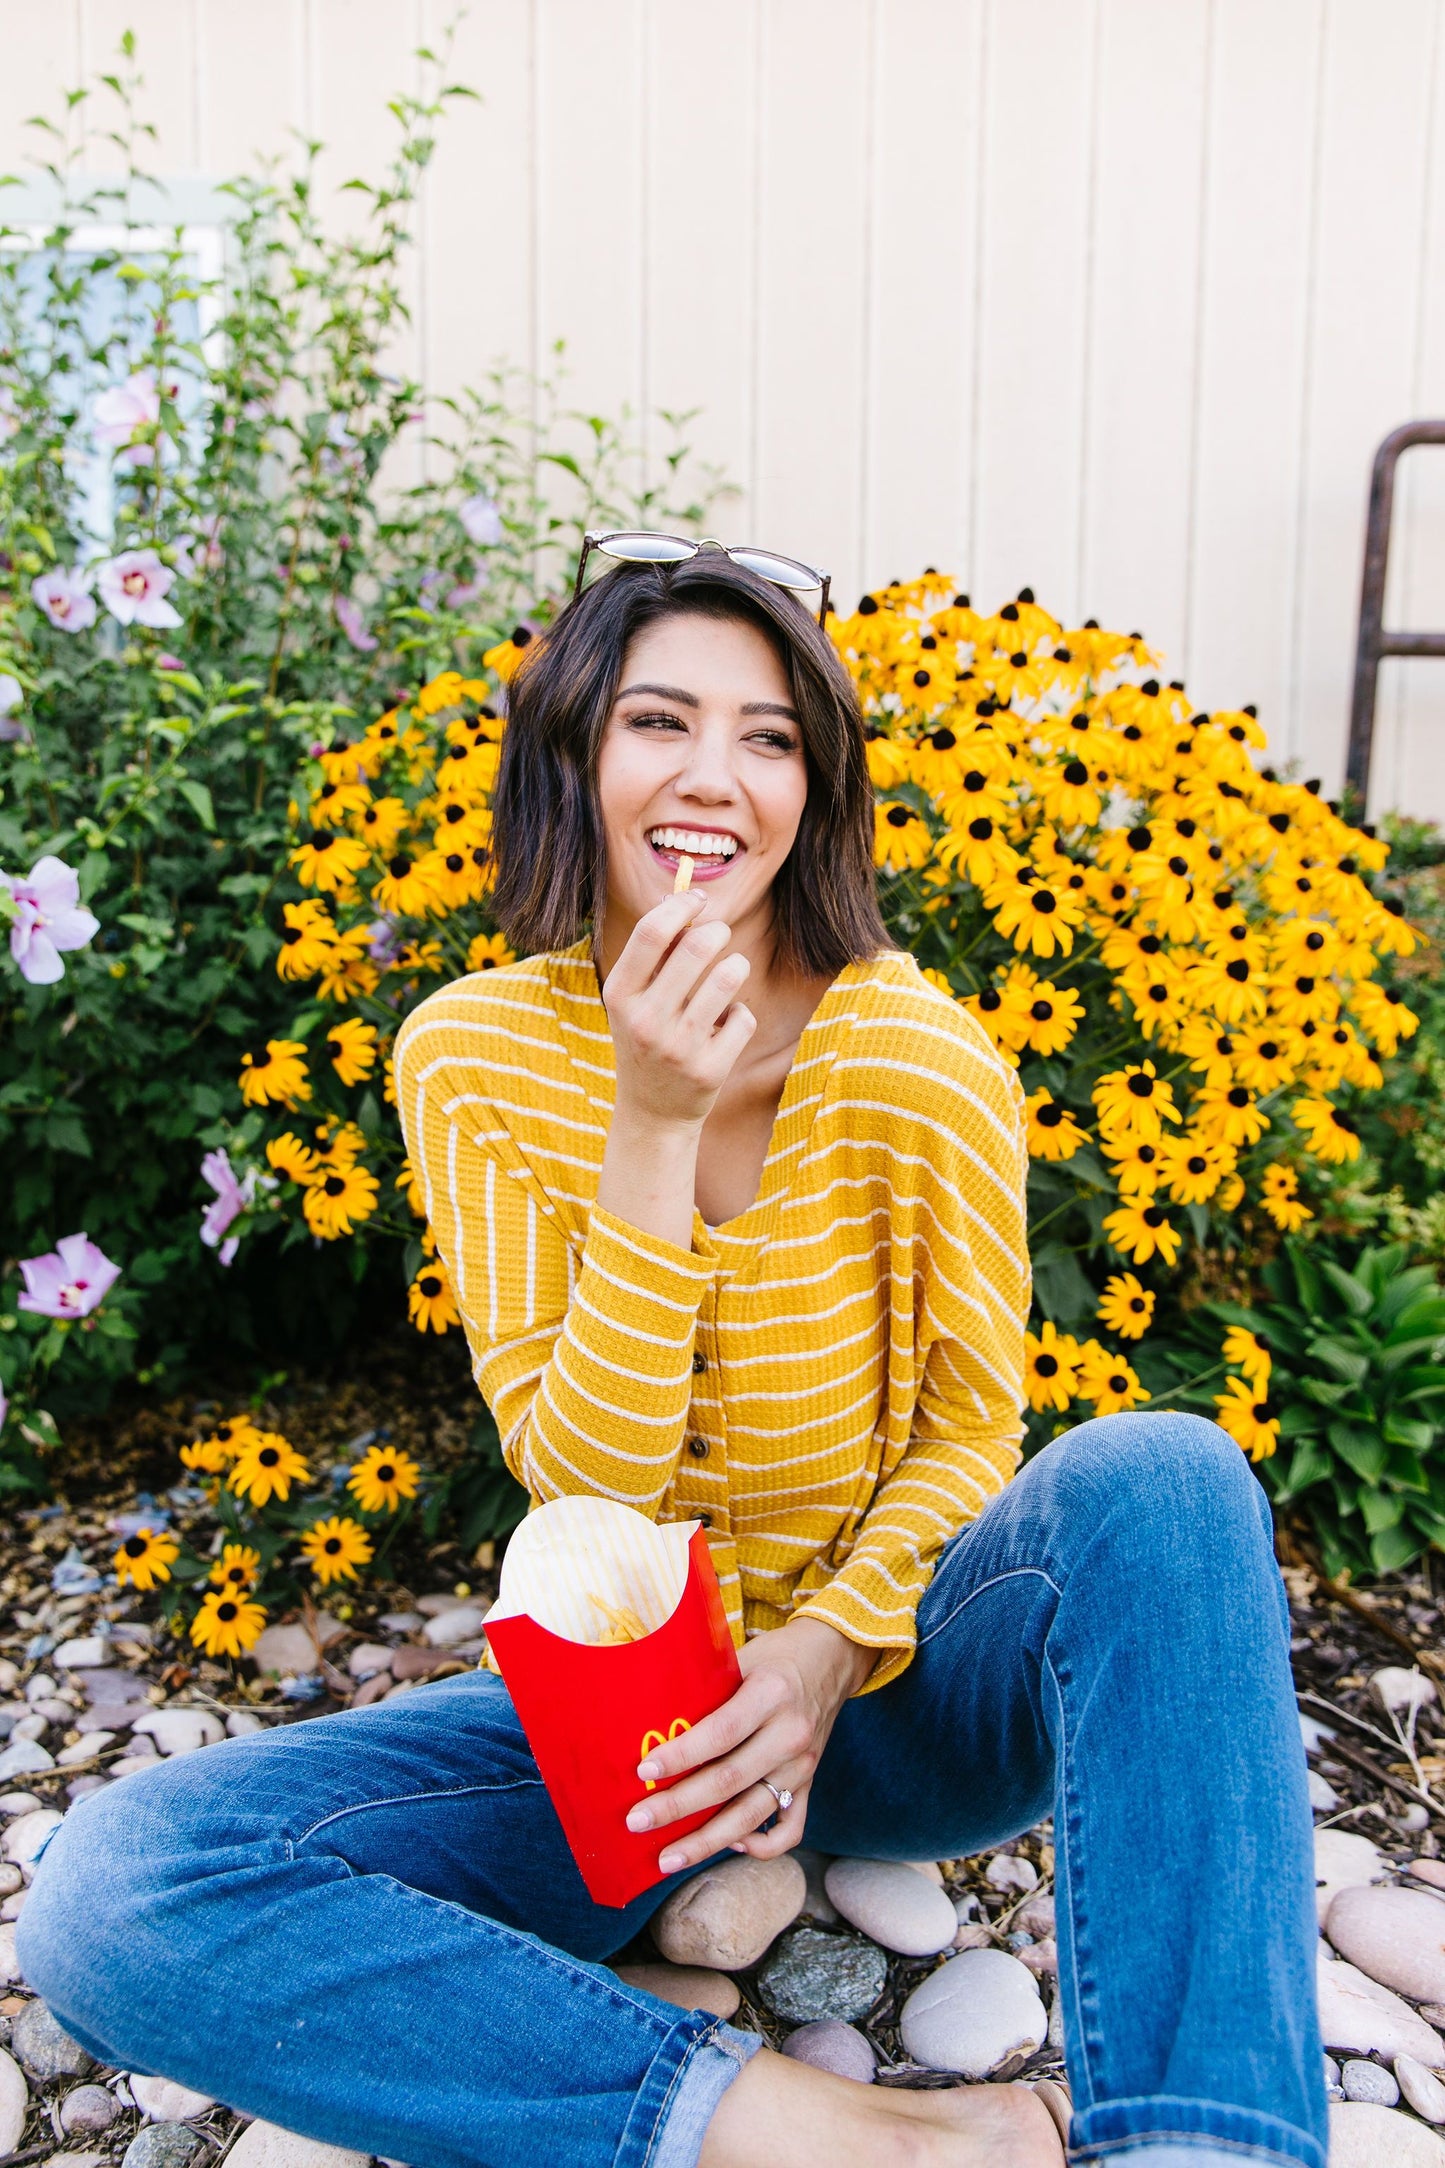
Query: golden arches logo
[(650, 1739)]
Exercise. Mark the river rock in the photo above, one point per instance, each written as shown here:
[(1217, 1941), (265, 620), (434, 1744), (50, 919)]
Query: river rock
[(25, 1759), (1369, 2081), (1343, 1860), (13, 1803), (815, 1975), (87, 2108), (1397, 1690), (829, 2045), (1041, 1958), (179, 1730), (1364, 2136), (691, 1987), (26, 1836), (266, 2145), (1007, 1872), (1429, 1870), (1037, 1917), (240, 1723), (1360, 2017), (87, 1653), (14, 2101), (1421, 2088), (1397, 1936), (892, 1904), (1323, 1797), (285, 1652), (166, 2102), (977, 2014), (10, 1879), (77, 2160), (972, 1935), (450, 1627), (164, 2145), (45, 2047), (367, 1659), (84, 1749), (9, 1962), (726, 1916)]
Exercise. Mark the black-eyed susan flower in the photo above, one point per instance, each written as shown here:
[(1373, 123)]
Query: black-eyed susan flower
[(381, 825), (1053, 1133), (1140, 1230), (1135, 1102), (355, 1044), (145, 1557), (330, 861), (348, 972), (335, 1548), (1126, 1306), (226, 1624), (1053, 1015), (266, 1467), (1193, 1167), (1331, 1133), (1138, 1166), (489, 952), (409, 1184), (213, 1454), (1051, 1368), (1244, 1352), (382, 1478), (1107, 1380), (505, 659), (1267, 1057), (900, 838), (1279, 1195), (237, 1568), (289, 1156), (338, 1200), (306, 940), (1250, 1419), (1229, 1117), (275, 1075), (404, 888), (430, 1302), (1037, 915)]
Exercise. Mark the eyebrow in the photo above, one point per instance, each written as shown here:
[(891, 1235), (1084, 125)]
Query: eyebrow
[(690, 700)]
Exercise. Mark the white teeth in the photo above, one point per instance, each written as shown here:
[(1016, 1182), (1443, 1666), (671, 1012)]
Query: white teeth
[(695, 844)]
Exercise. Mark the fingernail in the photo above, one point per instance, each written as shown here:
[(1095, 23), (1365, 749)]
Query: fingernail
[(639, 1818), (669, 1862), (649, 1771)]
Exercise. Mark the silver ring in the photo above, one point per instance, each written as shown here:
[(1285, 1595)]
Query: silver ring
[(781, 1793)]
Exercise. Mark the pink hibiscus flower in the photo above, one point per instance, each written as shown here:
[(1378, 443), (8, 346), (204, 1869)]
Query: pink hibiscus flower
[(69, 1281), (134, 587), (46, 916)]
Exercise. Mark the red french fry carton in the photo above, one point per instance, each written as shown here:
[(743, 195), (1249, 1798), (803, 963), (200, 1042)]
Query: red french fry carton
[(592, 1711)]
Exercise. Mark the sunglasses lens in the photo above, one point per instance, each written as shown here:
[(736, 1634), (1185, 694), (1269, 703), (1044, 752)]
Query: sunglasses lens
[(646, 549), (782, 571)]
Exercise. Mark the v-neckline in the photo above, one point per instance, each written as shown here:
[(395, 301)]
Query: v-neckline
[(797, 1106)]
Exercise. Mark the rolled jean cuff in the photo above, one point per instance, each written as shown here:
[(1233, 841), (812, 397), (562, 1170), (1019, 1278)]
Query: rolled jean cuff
[(706, 2069), (1165, 2132)]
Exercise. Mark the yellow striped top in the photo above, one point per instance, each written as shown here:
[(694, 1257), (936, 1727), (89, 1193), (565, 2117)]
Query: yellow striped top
[(831, 1381)]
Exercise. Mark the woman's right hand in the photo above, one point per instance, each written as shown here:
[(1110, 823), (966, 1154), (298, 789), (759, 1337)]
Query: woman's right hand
[(677, 1025)]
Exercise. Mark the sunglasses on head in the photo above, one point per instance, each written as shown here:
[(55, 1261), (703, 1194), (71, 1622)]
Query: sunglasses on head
[(642, 548)]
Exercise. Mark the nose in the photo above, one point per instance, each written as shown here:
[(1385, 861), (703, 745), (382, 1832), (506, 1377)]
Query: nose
[(708, 773)]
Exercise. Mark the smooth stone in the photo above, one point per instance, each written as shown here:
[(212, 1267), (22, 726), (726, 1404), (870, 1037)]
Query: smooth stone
[(1360, 2017), (88, 2107), (1421, 2088), (9, 1963), (726, 1916), (87, 1653), (1037, 1917), (163, 2145), (13, 1803), (12, 1907), (10, 1879), (130, 1765), (1368, 2081), (26, 1835), (84, 1749), (241, 1723), (1397, 1690), (976, 2014), (25, 1759), (33, 1726), (181, 1730), (1343, 1860), (164, 2101), (1323, 1797), (827, 2044), (117, 1716), (1397, 1936), (1429, 1870), (410, 1664), (813, 1975), (45, 2047), (372, 1689), (818, 1906), (1313, 1734), (399, 1622), (14, 2102), (285, 1651), (691, 1987), (1005, 1872), (1041, 1958), (1364, 2136), (76, 2160), (441, 1599), (892, 1904), (1332, 2071), (928, 1868), (364, 1662), (449, 1627), (266, 2145), (972, 1935)]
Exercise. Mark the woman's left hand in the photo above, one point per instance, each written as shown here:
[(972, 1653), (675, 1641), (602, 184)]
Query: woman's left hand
[(795, 1680)]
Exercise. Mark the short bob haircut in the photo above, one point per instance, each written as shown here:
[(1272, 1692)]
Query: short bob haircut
[(547, 838)]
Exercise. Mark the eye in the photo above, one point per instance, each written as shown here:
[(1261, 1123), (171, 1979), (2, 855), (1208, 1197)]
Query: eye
[(776, 741), (655, 722)]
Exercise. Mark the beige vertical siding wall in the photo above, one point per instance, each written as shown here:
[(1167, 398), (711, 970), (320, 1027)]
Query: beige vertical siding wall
[(1114, 297)]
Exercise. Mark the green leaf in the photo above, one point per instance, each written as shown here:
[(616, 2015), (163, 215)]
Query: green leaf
[(1061, 1291), (1410, 1430), (1363, 1451), (1393, 1549), (198, 798), (1381, 1510)]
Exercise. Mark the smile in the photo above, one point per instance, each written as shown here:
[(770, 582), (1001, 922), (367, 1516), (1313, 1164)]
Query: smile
[(710, 849)]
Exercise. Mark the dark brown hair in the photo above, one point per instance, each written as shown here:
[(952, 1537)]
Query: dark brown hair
[(547, 839)]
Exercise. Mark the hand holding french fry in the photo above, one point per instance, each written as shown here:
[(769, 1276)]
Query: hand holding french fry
[(677, 1024)]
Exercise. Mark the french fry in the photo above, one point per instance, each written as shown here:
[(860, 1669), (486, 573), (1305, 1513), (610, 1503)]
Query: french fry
[(684, 876), (623, 1623)]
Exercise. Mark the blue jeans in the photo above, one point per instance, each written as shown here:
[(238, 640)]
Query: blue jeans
[(369, 1928)]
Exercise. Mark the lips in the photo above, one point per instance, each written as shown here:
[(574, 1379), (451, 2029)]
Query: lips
[(712, 850)]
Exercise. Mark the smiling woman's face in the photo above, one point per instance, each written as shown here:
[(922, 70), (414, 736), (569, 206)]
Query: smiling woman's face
[(701, 755)]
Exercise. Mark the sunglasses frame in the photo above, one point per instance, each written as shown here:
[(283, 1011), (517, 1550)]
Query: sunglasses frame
[(691, 549)]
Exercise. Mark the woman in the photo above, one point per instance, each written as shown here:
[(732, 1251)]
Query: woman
[(732, 1200)]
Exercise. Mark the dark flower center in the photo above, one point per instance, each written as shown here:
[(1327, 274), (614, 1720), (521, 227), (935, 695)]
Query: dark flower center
[(1050, 1116), (268, 1456), (137, 1546), (898, 816), (333, 1185), (399, 867), (226, 1611), (1076, 773), (386, 1473), (431, 1286), (1141, 1086), (1047, 1366), (1041, 1011)]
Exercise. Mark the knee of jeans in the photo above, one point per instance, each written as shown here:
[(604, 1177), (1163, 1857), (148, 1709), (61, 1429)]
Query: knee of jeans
[(1167, 1475)]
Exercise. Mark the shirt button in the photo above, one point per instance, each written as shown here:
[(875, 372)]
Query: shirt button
[(699, 1364), (698, 1448), (704, 1520)]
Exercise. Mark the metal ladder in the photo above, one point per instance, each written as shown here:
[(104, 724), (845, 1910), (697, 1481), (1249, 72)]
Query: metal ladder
[(1374, 643)]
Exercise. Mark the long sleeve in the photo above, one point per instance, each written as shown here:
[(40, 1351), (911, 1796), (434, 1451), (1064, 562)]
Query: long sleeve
[(964, 1439), (585, 1362)]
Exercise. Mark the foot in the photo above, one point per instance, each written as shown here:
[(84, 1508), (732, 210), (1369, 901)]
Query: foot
[(978, 2126), (782, 2114)]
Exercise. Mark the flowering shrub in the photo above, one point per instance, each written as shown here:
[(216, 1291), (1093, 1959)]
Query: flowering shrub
[(203, 577), (1178, 951)]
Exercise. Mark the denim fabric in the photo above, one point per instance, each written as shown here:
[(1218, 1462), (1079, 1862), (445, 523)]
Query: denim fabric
[(368, 1927)]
